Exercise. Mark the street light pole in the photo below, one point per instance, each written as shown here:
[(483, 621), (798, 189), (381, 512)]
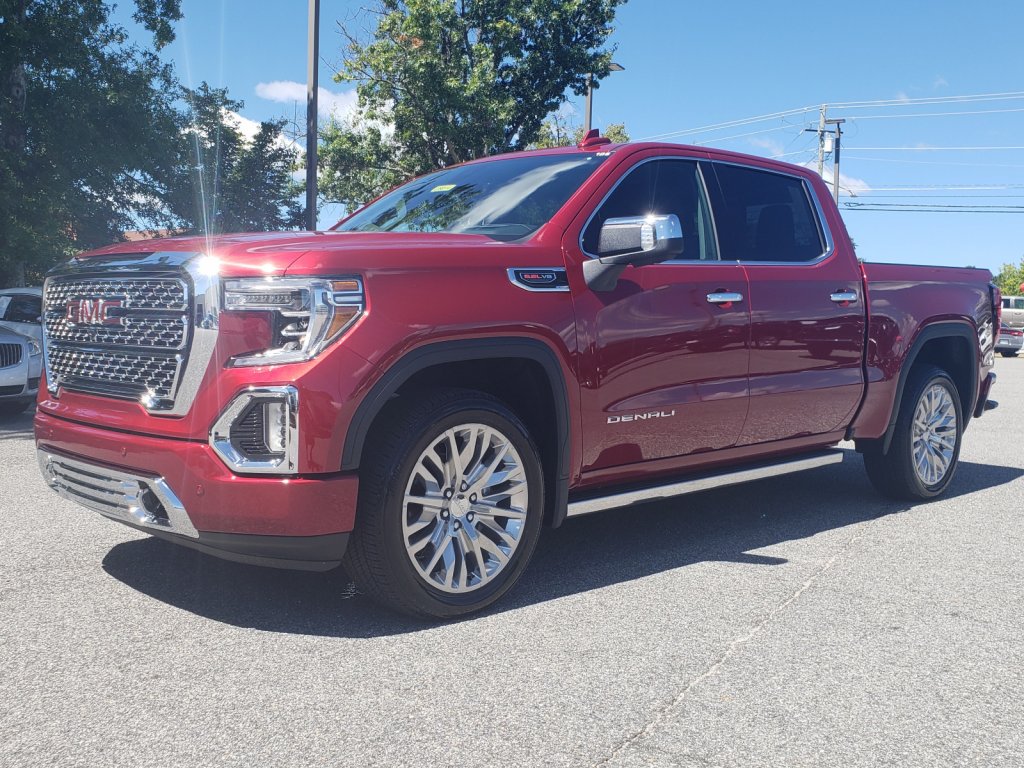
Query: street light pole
[(312, 78), (589, 117)]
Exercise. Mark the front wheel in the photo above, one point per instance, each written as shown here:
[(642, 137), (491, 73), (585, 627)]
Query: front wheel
[(450, 505), (925, 447)]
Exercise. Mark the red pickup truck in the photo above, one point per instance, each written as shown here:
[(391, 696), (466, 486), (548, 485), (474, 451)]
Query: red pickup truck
[(495, 347)]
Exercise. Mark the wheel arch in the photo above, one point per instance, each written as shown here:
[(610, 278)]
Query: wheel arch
[(952, 346), (422, 361)]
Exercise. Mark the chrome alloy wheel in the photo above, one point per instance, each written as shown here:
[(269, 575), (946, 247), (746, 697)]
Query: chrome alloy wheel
[(934, 434), (464, 508)]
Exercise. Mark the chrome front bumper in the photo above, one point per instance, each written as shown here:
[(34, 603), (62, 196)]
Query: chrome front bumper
[(128, 498)]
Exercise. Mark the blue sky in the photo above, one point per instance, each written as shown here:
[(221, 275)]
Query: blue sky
[(690, 64)]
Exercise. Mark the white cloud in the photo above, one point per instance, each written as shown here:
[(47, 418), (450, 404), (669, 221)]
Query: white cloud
[(848, 185), (902, 96), (329, 103), (249, 128), (771, 147), (939, 82)]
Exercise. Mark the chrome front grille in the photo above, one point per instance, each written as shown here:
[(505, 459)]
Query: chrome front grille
[(118, 374), (10, 354), (136, 499), (118, 336)]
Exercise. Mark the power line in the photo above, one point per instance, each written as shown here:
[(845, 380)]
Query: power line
[(930, 162), (1004, 96), (964, 99), (744, 135), (937, 114), (924, 208), (730, 124), (936, 149), (943, 187)]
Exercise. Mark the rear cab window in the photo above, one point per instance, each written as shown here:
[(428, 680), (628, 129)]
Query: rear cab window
[(764, 216)]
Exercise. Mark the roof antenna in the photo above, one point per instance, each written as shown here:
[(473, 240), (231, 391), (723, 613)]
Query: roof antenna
[(593, 139)]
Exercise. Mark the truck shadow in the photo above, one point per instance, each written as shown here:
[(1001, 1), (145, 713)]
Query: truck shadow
[(725, 525)]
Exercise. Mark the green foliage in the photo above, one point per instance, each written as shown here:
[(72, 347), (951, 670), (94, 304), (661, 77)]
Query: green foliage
[(84, 127), (223, 182), (98, 137), (445, 81), (1010, 279), (557, 131)]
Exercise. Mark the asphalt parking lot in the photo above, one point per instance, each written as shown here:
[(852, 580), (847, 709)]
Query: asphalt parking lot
[(796, 621)]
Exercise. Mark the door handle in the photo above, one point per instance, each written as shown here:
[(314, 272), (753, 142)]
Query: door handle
[(724, 298), (844, 297)]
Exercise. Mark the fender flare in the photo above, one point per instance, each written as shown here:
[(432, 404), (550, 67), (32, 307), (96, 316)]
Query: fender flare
[(441, 352), (930, 332)]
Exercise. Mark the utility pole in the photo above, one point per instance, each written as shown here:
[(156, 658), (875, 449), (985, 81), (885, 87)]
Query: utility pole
[(312, 85), (821, 139), (835, 155)]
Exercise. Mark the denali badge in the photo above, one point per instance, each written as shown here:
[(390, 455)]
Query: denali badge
[(640, 416), (95, 311)]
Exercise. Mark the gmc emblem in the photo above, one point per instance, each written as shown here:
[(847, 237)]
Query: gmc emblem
[(95, 312)]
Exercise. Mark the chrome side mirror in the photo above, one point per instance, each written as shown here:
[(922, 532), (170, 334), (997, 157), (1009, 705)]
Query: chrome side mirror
[(632, 240)]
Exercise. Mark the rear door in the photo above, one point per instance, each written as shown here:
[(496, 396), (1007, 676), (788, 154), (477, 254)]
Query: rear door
[(664, 370), (806, 304)]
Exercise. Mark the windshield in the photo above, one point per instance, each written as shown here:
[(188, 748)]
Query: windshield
[(505, 199)]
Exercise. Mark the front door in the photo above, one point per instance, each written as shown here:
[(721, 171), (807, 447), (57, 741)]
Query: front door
[(664, 369)]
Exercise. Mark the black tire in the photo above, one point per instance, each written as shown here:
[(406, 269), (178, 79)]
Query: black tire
[(1009, 354), (377, 558), (893, 472), (13, 409)]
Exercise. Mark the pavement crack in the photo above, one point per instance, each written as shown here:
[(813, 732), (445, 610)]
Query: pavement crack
[(663, 712)]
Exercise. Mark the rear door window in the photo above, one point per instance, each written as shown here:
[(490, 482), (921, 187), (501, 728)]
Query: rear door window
[(764, 217)]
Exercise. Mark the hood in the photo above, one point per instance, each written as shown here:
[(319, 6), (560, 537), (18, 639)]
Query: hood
[(279, 253)]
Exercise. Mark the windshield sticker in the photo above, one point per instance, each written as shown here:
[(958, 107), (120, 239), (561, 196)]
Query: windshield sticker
[(443, 188)]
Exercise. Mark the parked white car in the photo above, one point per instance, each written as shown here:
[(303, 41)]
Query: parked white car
[(21, 363), (21, 311)]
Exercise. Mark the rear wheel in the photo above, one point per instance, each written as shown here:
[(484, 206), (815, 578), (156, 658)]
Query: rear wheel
[(925, 448), (450, 505)]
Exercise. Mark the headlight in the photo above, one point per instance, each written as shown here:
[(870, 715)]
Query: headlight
[(308, 314), (35, 349)]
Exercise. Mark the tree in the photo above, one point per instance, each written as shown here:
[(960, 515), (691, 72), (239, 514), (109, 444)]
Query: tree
[(558, 132), (85, 125), (1011, 279), (224, 181), (445, 81)]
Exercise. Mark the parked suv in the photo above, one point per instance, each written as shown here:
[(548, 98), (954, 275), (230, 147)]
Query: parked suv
[(1011, 341), (1013, 311), (495, 347)]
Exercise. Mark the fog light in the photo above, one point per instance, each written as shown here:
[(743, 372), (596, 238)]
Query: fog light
[(275, 426), (258, 432)]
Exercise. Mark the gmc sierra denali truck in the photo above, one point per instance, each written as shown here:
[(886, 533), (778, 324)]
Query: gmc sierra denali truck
[(493, 348)]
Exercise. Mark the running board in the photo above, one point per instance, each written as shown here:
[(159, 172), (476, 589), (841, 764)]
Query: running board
[(704, 482)]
